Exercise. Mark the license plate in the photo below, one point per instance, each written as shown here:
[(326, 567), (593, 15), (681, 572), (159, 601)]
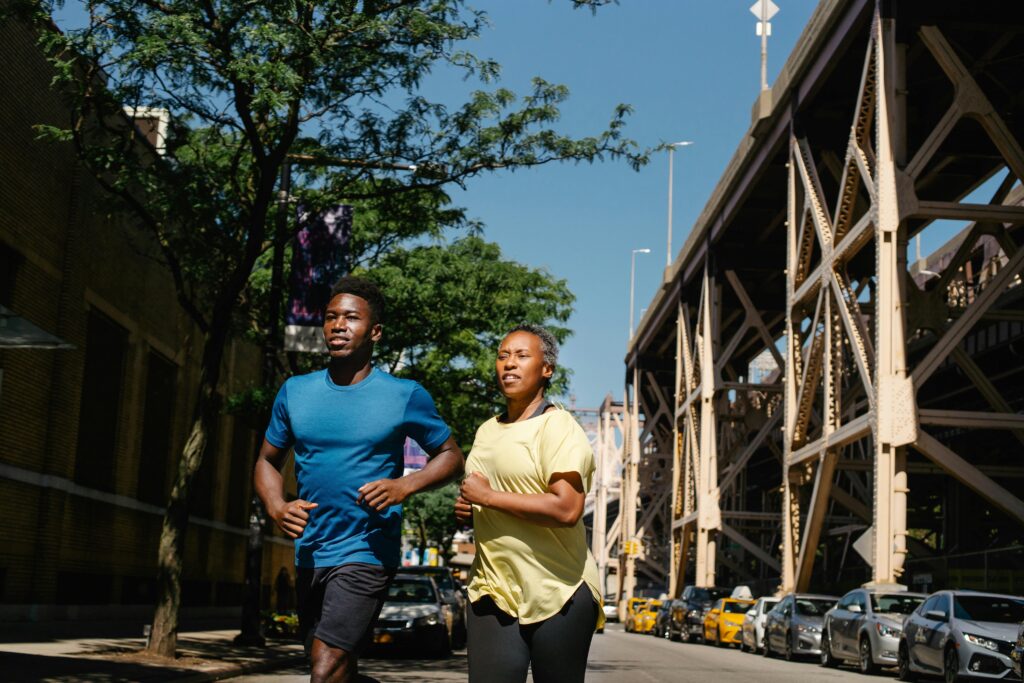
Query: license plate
[(381, 638)]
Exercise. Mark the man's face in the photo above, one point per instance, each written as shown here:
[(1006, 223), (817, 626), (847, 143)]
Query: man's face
[(520, 365), (349, 326)]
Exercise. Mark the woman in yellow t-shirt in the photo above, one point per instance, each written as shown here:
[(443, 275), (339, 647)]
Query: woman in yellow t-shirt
[(534, 588)]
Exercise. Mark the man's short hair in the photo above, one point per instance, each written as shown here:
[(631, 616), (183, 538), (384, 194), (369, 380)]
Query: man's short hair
[(364, 289)]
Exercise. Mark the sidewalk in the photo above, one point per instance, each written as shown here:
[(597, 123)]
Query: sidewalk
[(202, 656)]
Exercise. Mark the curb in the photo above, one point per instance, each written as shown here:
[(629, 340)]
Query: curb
[(243, 669)]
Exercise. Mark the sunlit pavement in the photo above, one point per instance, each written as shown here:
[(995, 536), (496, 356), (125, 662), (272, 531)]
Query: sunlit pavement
[(615, 657)]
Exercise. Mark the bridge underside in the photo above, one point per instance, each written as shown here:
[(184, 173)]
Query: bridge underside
[(836, 410)]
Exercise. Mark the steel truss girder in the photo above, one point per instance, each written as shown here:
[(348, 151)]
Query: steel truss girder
[(858, 342), (712, 448), (890, 416)]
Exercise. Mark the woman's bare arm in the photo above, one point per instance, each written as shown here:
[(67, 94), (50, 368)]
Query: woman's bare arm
[(561, 506)]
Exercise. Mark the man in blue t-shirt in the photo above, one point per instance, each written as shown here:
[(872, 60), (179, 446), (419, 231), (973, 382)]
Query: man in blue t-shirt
[(347, 425)]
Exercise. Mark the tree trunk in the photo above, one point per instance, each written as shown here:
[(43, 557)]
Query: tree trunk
[(423, 541), (163, 638)]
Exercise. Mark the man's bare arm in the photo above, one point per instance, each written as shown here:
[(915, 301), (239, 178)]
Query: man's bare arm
[(446, 464), (290, 517)]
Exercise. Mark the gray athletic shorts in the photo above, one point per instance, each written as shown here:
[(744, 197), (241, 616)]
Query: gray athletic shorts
[(339, 605)]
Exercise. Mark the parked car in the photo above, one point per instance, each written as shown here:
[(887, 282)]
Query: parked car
[(451, 590), (865, 627), (1017, 654), (634, 607), (663, 620), (724, 621), (960, 634), (687, 621), (414, 615), (645, 618), (752, 634), (793, 627)]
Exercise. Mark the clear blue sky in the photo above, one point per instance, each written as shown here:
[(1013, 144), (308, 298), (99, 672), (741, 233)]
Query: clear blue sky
[(691, 69)]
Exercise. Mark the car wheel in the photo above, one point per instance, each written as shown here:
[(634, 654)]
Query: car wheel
[(459, 636), (866, 659), (951, 666), (743, 642), (903, 664), (766, 646), (684, 635), (826, 651), (788, 652), (442, 646)]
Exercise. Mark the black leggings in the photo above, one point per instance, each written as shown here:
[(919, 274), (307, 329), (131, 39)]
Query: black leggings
[(501, 651)]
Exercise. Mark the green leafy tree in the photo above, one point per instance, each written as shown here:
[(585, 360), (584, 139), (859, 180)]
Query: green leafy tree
[(249, 85), (428, 517)]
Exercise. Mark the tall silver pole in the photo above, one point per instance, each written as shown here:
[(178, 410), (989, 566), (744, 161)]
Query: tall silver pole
[(764, 45), (668, 253), (632, 287)]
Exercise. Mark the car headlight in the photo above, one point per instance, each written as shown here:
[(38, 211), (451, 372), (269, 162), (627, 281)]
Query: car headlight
[(981, 641), (887, 631), (807, 628), (695, 613), (427, 620)]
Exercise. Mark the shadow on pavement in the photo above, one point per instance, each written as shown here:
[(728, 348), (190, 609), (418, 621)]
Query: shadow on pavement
[(388, 667), (17, 667), (123, 660)]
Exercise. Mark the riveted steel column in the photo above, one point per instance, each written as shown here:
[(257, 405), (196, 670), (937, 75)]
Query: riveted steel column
[(895, 423)]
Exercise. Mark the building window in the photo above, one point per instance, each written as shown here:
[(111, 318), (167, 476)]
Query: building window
[(157, 424), (10, 263), (106, 347)]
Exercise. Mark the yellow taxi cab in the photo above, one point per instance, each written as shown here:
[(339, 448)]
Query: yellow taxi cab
[(633, 608), (646, 617), (723, 624)]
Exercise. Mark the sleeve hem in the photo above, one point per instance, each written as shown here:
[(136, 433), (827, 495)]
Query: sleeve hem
[(275, 441)]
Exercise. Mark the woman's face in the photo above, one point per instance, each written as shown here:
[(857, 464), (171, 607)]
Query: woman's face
[(520, 365)]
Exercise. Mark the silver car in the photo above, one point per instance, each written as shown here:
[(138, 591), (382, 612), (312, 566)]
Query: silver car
[(961, 634), (752, 634), (865, 627), (793, 627)]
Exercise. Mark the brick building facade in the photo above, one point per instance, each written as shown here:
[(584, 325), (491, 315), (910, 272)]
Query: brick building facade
[(90, 437)]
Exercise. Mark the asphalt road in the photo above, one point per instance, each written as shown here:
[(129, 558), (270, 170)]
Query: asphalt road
[(615, 657)]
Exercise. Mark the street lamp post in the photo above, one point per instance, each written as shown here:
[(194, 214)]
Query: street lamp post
[(632, 285), (668, 253)]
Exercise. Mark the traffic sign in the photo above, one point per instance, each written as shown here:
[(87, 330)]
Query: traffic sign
[(764, 12)]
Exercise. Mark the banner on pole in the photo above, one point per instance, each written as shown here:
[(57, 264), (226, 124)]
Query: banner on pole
[(318, 260)]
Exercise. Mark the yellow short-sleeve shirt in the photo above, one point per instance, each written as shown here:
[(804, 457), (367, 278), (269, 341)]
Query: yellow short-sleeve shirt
[(530, 571)]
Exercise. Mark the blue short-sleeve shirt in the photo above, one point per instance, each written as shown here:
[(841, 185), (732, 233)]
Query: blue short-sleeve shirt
[(344, 437)]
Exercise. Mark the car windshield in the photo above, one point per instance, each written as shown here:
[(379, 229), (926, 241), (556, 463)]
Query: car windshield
[(810, 607), (735, 607), (895, 604), (709, 594), (988, 608), (411, 591)]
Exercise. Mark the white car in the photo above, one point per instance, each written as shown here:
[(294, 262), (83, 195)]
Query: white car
[(752, 634), (611, 609)]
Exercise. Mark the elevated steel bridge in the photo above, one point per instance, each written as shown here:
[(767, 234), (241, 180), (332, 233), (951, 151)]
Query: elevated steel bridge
[(834, 409)]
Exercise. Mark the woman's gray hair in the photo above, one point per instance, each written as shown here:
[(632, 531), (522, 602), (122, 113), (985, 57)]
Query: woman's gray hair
[(548, 343)]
